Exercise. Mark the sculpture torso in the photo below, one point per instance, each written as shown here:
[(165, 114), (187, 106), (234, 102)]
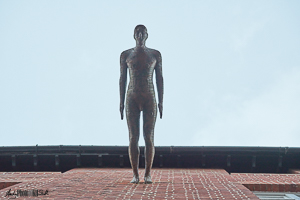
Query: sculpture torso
[(141, 63)]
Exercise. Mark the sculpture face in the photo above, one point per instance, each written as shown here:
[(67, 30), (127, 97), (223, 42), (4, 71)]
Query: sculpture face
[(140, 34)]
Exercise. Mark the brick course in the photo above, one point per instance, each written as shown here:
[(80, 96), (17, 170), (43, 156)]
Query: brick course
[(269, 182), (113, 183), (101, 183)]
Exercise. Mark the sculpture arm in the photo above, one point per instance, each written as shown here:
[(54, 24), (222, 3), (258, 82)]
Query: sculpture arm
[(159, 82), (123, 81)]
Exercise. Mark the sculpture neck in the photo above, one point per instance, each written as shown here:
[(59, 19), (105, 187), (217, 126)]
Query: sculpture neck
[(140, 44)]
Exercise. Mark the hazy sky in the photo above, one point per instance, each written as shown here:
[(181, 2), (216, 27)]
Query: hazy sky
[(231, 71)]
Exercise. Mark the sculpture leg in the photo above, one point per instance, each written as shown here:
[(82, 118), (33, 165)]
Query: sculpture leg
[(149, 118), (133, 121)]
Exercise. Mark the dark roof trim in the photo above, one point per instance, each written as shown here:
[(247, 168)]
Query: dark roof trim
[(233, 159)]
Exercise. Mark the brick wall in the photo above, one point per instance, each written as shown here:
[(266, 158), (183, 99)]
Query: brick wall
[(100, 183), (7, 184), (269, 182)]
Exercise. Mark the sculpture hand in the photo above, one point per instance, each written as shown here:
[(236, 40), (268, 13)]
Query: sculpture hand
[(121, 110), (160, 107)]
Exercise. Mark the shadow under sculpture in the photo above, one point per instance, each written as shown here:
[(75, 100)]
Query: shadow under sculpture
[(141, 62)]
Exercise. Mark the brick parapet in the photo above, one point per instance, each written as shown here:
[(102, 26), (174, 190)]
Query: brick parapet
[(100, 183), (269, 182)]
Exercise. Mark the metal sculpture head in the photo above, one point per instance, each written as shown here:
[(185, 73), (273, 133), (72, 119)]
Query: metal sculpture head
[(140, 34)]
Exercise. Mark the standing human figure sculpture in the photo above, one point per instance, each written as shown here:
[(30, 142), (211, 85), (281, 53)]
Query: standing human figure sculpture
[(141, 62)]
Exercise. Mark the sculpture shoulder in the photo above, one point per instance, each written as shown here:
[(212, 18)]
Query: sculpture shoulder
[(155, 52), (125, 53)]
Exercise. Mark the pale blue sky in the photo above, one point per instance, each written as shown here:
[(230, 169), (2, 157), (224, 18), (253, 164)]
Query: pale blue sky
[(231, 71)]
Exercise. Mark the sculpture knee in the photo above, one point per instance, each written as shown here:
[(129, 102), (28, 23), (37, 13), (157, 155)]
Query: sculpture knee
[(149, 139), (134, 140)]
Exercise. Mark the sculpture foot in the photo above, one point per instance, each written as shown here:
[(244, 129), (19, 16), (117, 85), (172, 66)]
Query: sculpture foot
[(135, 180), (148, 179)]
